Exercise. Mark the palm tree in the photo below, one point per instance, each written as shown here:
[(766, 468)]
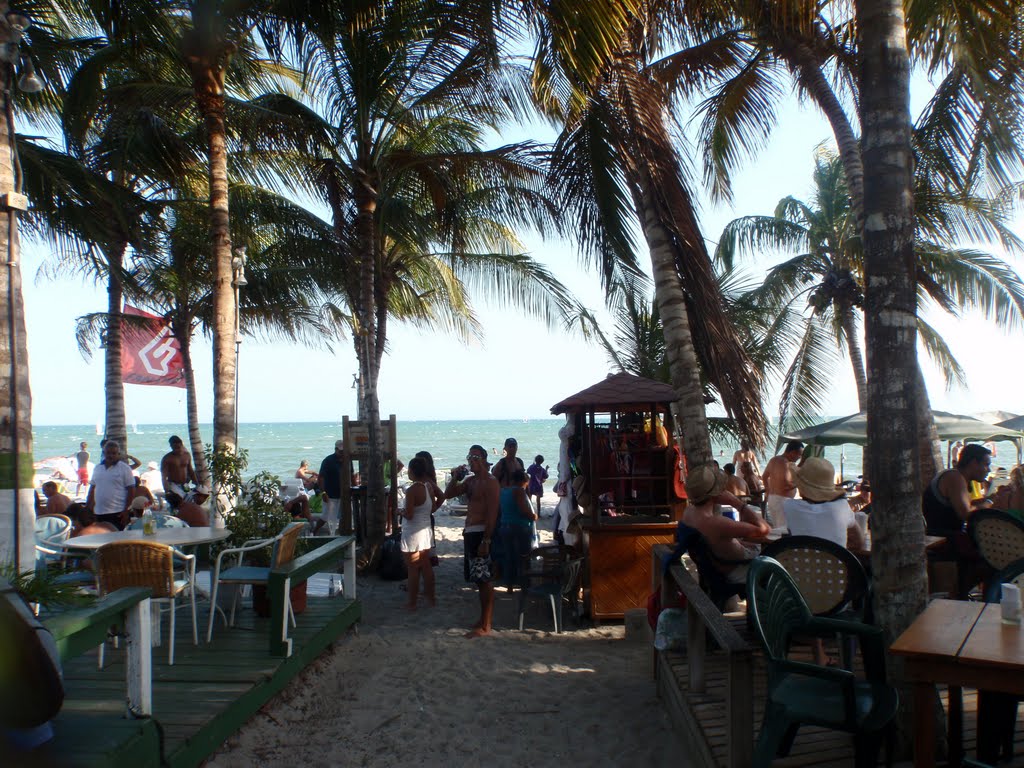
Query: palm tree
[(827, 276), (616, 160), (890, 307), (422, 214)]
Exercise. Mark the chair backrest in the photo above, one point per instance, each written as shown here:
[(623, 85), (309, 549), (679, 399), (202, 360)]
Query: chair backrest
[(136, 564), (774, 605), (162, 521), (52, 528), (1013, 574), (998, 536), (284, 544), (829, 576)]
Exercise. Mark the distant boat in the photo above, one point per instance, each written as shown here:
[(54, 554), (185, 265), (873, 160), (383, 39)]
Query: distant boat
[(99, 429), (135, 429)]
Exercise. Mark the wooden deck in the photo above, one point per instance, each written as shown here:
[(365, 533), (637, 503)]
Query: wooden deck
[(700, 718), (211, 690)]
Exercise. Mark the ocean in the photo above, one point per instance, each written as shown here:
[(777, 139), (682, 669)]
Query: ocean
[(278, 447)]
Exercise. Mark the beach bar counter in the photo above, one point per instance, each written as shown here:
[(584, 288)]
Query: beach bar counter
[(622, 462)]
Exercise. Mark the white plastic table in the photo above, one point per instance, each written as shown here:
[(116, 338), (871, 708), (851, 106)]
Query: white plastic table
[(176, 537)]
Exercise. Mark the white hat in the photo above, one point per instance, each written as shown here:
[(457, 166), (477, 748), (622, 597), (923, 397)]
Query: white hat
[(816, 480), (152, 465), (139, 503)]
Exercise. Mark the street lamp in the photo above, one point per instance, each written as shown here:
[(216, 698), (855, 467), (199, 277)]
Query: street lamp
[(238, 281)]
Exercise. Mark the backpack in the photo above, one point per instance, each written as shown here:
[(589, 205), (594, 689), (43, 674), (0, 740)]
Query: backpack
[(392, 563)]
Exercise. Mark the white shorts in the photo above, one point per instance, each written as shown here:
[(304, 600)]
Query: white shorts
[(775, 510)]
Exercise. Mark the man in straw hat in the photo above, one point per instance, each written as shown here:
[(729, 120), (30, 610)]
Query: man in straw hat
[(704, 484), (822, 509)]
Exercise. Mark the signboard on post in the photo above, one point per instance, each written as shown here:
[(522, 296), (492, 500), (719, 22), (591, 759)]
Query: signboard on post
[(356, 435)]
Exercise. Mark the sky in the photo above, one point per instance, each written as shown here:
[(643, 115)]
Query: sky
[(517, 370)]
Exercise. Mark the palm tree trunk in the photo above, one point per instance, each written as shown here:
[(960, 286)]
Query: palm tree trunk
[(682, 357), (898, 556), (115, 428), (208, 84), (927, 435), (195, 437), (365, 195), (17, 508)]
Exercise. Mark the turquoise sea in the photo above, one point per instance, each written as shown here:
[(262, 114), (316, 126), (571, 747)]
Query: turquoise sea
[(278, 447)]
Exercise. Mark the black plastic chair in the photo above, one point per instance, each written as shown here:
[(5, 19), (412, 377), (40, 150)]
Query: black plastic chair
[(831, 580), (802, 693), (711, 577), (551, 573)]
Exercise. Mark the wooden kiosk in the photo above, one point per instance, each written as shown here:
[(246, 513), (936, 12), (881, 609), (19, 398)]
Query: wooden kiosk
[(622, 448)]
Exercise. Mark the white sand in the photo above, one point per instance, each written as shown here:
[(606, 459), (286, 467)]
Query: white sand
[(408, 688)]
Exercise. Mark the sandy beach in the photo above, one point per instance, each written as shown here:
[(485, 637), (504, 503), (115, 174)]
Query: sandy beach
[(406, 688)]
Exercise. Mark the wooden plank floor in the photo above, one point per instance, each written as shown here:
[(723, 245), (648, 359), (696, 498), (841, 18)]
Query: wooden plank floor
[(211, 690), (813, 746)]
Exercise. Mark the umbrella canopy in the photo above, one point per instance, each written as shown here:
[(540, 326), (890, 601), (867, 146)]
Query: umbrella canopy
[(853, 429), (1017, 422)]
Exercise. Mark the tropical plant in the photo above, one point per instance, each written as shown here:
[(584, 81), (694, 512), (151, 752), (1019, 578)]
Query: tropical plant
[(827, 277)]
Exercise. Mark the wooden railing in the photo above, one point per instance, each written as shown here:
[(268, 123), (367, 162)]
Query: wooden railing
[(704, 621), (300, 569), (82, 629)]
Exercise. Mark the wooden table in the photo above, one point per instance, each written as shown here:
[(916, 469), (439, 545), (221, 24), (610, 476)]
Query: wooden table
[(961, 644)]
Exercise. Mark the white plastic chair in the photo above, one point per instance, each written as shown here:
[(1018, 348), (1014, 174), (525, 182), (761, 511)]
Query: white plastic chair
[(283, 552)]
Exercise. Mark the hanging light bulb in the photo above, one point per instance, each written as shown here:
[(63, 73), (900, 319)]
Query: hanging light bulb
[(29, 81)]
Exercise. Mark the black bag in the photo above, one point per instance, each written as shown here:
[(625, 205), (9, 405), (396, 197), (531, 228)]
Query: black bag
[(392, 563)]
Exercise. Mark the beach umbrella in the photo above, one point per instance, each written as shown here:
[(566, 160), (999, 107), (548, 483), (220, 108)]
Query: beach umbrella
[(853, 429)]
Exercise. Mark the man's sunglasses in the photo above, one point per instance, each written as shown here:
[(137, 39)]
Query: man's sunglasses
[(475, 456)]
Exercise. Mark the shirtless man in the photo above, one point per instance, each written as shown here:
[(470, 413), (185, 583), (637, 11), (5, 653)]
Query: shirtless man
[(735, 485), (745, 454), (56, 502), (175, 470), (82, 457), (481, 523), (780, 483), (704, 484)]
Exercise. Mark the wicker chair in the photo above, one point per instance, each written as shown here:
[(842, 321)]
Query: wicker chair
[(148, 564), (998, 536), (283, 553)]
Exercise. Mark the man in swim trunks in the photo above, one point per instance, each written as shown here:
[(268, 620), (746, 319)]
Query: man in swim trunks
[(481, 522), (175, 470), (780, 483), (82, 457)]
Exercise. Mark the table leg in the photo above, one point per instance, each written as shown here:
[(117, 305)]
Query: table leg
[(924, 725), (956, 726)]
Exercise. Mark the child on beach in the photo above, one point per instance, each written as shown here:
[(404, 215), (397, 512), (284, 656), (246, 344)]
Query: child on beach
[(538, 474), (416, 535)]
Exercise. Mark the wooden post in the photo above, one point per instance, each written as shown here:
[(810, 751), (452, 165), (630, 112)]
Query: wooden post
[(696, 642), (139, 662), (345, 513), (740, 704), (348, 573), (278, 586)]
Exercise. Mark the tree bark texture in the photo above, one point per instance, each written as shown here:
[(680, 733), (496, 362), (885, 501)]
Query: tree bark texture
[(17, 509), (365, 194), (208, 84), (113, 383), (898, 555), (195, 437)]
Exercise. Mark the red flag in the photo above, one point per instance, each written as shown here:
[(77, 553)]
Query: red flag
[(149, 353)]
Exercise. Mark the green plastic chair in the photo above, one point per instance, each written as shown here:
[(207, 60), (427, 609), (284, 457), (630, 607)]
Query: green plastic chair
[(803, 693)]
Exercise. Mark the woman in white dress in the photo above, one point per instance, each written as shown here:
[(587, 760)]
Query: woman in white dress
[(416, 538)]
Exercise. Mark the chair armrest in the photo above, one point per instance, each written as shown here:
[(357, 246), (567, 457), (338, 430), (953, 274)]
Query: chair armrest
[(844, 678), (248, 546), (872, 641)]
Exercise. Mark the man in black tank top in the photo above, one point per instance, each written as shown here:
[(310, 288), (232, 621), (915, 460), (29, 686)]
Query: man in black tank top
[(947, 499)]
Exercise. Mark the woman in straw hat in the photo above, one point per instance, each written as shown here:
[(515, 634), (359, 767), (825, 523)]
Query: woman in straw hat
[(822, 509)]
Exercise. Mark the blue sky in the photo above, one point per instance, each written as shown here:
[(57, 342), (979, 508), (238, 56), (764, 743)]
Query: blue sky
[(517, 370)]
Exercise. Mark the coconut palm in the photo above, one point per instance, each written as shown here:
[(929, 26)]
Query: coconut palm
[(827, 277), (616, 164)]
